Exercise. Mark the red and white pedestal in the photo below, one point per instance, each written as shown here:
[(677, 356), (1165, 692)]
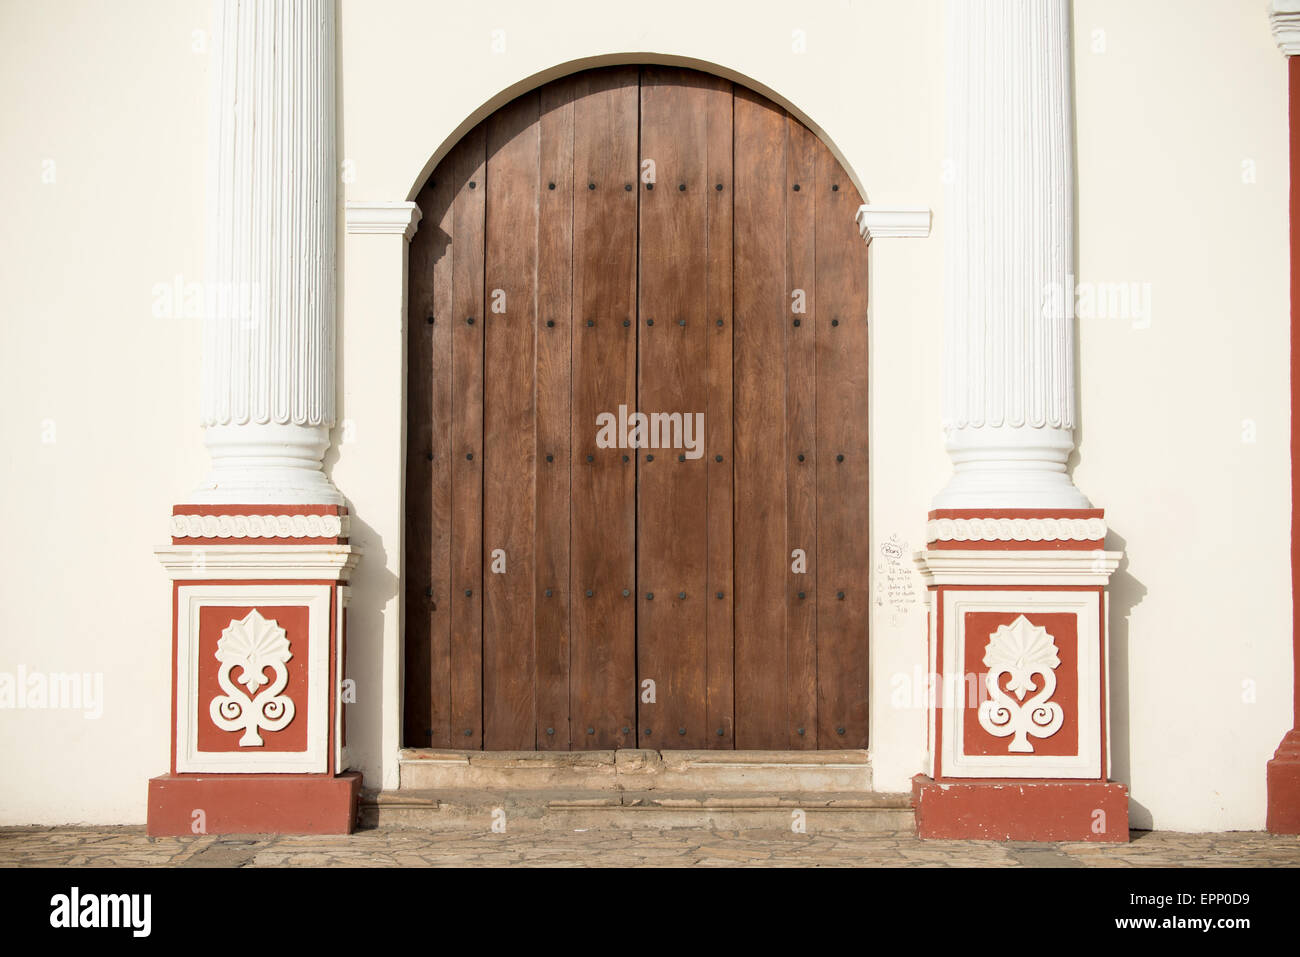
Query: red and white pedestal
[(260, 560), (259, 652), (1284, 785), (1019, 721)]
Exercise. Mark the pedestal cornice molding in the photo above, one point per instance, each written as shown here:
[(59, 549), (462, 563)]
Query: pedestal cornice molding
[(888, 222), (1284, 17), (401, 217), (993, 568), (258, 562)]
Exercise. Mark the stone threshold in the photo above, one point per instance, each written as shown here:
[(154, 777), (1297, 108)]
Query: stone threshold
[(638, 770), (579, 810)]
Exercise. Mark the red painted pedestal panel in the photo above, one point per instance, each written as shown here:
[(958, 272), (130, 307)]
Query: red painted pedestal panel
[(253, 804)]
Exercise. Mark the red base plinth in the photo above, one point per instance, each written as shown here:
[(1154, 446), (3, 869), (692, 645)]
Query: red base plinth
[(1284, 787), (253, 804), (1002, 810)]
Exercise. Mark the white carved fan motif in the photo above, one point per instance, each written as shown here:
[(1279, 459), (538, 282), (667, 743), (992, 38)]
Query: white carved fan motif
[(253, 644), (1021, 650)]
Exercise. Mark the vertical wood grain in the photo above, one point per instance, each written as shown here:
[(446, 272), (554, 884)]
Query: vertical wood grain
[(509, 456), (466, 445), (603, 641), (553, 384), (761, 310)]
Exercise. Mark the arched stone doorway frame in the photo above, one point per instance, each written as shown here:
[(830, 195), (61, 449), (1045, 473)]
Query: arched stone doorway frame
[(376, 587)]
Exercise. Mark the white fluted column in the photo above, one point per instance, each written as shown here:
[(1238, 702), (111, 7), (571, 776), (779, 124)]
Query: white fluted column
[(268, 340), (1009, 330)]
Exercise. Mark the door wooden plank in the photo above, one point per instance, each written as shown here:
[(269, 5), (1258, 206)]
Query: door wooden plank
[(801, 461), (426, 708), (602, 650), (416, 731), (509, 456), (554, 354), (720, 707), (761, 313), (672, 494), (843, 542), (468, 170)]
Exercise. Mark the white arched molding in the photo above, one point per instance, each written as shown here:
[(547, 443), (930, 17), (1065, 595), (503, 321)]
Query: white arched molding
[(1008, 351), (269, 336)]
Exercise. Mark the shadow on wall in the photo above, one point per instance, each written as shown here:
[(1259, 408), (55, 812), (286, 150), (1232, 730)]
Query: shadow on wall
[(372, 588), (1125, 594)]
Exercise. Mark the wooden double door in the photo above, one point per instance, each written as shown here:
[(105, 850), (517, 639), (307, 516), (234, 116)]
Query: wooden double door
[(653, 240)]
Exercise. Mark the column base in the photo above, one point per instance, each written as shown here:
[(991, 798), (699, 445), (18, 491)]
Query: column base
[(1008, 810), (266, 464), (253, 804), (1284, 786), (1006, 467)]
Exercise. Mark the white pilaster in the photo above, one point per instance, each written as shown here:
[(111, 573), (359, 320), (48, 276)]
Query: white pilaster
[(268, 343), (1008, 332)]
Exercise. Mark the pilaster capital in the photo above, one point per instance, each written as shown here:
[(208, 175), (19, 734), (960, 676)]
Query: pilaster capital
[(876, 221), (387, 217), (1284, 18)]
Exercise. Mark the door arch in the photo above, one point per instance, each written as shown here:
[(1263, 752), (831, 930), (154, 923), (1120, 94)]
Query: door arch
[(623, 240)]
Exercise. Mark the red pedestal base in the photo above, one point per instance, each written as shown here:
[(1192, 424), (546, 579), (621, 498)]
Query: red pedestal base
[(253, 804), (1284, 787), (1004, 810)]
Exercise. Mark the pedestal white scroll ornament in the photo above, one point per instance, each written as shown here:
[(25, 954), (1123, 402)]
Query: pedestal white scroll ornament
[(253, 643), (1021, 650)]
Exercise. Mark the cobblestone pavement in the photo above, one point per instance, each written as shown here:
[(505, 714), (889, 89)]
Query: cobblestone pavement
[(397, 847)]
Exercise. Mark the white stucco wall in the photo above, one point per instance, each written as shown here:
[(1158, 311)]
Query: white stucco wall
[(113, 95), (1182, 95)]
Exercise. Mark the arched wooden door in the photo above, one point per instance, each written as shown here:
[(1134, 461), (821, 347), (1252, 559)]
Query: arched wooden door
[(622, 240)]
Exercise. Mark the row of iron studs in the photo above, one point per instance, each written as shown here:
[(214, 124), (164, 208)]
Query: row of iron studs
[(627, 187), (681, 457), (550, 323), (627, 593), (469, 732)]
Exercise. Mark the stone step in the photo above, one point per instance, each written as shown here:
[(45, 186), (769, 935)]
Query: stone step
[(575, 810), (637, 770)]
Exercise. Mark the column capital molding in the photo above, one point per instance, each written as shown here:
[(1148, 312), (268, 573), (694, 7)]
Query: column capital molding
[(1284, 18), (876, 221), (383, 217)]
